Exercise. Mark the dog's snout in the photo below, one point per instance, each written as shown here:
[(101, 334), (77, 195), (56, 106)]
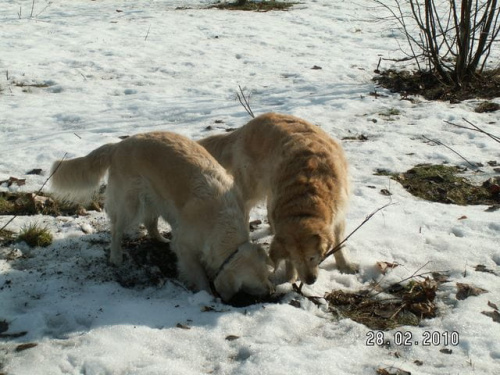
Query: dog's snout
[(310, 279)]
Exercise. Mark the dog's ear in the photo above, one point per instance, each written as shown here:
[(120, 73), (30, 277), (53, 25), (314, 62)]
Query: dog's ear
[(277, 250), (322, 241), (328, 241), (227, 285)]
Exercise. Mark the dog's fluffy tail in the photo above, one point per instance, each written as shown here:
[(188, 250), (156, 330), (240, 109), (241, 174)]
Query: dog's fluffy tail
[(77, 180), (220, 147)]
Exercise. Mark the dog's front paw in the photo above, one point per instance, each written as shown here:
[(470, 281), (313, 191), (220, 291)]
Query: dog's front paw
[(116, 259), (349, 268), (291, 272)]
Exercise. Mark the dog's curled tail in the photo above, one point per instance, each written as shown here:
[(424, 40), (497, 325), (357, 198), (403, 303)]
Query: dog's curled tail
[(220, 147), (76, 180)]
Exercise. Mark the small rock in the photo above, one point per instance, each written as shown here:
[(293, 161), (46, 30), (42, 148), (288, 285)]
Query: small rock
[(37, 171)]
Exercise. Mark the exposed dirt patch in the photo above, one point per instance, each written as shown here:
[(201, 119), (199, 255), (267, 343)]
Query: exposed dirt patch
[(430, 87), (6, 237), (383, 309), (152, 263), (444, 184), (44, 204), (256, 6), (487, 107)]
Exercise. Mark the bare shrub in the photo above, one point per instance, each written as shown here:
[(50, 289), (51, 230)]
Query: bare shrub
[(451, 38)]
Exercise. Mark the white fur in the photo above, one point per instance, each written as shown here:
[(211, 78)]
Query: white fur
[(165, 174)]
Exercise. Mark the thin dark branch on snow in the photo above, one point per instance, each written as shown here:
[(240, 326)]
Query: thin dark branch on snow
[(147, 34), (439, 143), (245, 101), (341, 244), (475, 128)]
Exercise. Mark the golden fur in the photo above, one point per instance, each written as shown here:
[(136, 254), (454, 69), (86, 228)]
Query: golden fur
[(165, 174), (303, 174)]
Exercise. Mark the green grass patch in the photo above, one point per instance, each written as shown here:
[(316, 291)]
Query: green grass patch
[(35, 235), (445, 184), (390, 112), (256, 6)]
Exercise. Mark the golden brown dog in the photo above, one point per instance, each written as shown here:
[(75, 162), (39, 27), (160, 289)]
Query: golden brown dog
[(303, 173), (165, 174)]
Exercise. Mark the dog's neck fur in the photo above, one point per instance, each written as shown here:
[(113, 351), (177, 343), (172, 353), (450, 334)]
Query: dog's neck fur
[(225, 263), (230, 231)]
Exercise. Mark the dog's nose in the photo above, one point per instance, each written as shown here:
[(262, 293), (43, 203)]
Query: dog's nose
[(310, 279)]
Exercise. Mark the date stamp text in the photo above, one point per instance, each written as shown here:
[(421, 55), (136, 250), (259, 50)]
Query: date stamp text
[(407, 338)]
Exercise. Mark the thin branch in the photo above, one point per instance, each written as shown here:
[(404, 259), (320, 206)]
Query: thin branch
[(314, 299), (475, 128), (439, 143), (147, 34), (244, 101), (44, 9), (32, 8), (341, 244), (414, 275)]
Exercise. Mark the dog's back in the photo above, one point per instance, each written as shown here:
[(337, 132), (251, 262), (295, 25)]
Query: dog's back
[(285, 157), (310, 174), (182, 168)]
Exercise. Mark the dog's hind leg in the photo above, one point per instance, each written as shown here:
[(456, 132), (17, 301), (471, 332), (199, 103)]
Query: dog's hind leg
[(151, 223), (122, 207)]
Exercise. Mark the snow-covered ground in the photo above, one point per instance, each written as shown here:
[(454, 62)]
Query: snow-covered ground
[(81, 73)]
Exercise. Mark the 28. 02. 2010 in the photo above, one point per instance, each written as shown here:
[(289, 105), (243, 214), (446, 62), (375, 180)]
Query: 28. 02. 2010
[(406, 338)]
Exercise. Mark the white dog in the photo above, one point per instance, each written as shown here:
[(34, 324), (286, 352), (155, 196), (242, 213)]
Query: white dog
[(165, 174)]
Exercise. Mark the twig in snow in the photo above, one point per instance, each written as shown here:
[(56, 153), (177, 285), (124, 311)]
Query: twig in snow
[(341, 244), (32, 8), (413, 275), (44, 9), (475, 128), (147, 34), (39, 190), (439, 143), (244, 101), (314, 299)]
